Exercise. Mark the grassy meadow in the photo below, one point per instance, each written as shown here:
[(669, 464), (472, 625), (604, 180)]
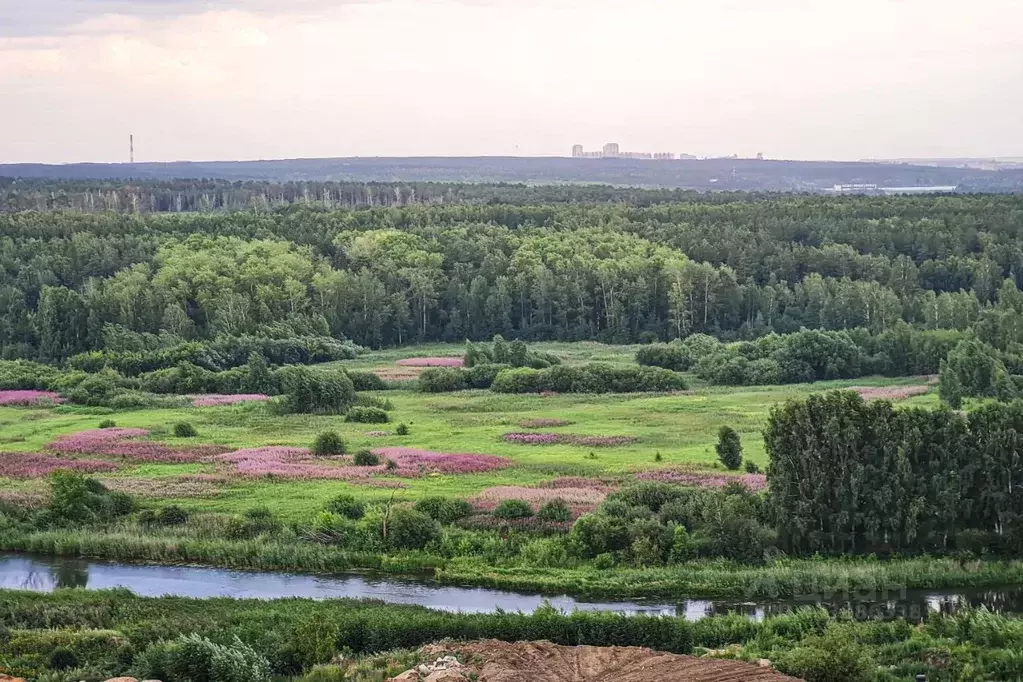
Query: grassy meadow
[(680, 428)]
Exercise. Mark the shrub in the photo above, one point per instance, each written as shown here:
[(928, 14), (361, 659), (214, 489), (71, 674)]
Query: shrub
[(402, 429), (441, 380), (365, 458), (411, 529), (482, 376), (674, 356), (598, 534), (546, 553), (328, 443), (513, 509), (554, 510), (148, 517), (73, 497), (309, 391), (444, 510), (62, 658), (347, 506), (752, 468), (171, 515), (729, 448), (192, 658), (120, 504), (827, 658), (652, 495), (366, 381), (260, 520), (592, 378), (185, 430), (108, 424), (367, 415)]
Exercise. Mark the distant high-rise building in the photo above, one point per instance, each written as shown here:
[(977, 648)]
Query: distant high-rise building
[(612, 150)]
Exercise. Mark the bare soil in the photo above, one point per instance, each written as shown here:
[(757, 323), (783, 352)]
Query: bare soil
[(494, 661)]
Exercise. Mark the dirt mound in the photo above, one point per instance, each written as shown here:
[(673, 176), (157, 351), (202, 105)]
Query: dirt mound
[(494, 661)]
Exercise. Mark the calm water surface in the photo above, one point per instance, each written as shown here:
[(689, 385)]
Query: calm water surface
[(46, 573)]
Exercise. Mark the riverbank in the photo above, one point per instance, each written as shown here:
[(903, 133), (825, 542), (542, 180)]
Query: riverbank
[(112, 632), (782, 578)]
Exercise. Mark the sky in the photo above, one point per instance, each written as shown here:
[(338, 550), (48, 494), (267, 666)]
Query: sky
[(259, 79)]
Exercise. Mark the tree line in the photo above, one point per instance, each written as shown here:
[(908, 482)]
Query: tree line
[(735, 267)]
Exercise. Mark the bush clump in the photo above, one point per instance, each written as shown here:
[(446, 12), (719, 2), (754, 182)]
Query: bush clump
[(327, 444), (366, 381), (367, 415), (554, 510), (171, 515), (365, 458), (311, 391), (593, 378), (408, 528), (441, 380), (347, 506), (443, 509), (402, 429), (108, 424), (513, 509), (185, 430), (62, 658), (729, 448), (193, 658)]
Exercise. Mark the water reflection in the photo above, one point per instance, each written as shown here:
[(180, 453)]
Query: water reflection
[(44, 574)]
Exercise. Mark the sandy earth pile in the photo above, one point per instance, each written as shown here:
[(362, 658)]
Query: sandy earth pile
[(494, 661)]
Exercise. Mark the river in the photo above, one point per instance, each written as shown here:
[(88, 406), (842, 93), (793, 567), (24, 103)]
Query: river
[(46, 573)]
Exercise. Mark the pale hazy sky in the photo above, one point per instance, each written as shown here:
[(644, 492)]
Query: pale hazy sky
[(242, 79)]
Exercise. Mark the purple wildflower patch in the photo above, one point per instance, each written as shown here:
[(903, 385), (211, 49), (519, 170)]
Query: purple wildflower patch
[(412, 462), (125, 442), (39, 464), (8, 398)]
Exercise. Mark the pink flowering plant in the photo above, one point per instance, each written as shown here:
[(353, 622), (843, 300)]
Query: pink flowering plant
[(39, 464), (128, 443), (27, 398)]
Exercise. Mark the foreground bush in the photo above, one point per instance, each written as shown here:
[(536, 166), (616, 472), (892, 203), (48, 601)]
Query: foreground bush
[(193, 658)]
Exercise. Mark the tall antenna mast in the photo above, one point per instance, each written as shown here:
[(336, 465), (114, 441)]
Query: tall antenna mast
[(131, 148)]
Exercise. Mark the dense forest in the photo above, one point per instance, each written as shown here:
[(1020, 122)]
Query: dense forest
[(735, 267)]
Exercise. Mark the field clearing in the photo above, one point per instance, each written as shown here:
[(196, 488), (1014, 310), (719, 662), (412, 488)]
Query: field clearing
[(681, 428)]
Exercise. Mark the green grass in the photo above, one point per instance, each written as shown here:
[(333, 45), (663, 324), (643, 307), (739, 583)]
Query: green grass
[(681, 428)]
